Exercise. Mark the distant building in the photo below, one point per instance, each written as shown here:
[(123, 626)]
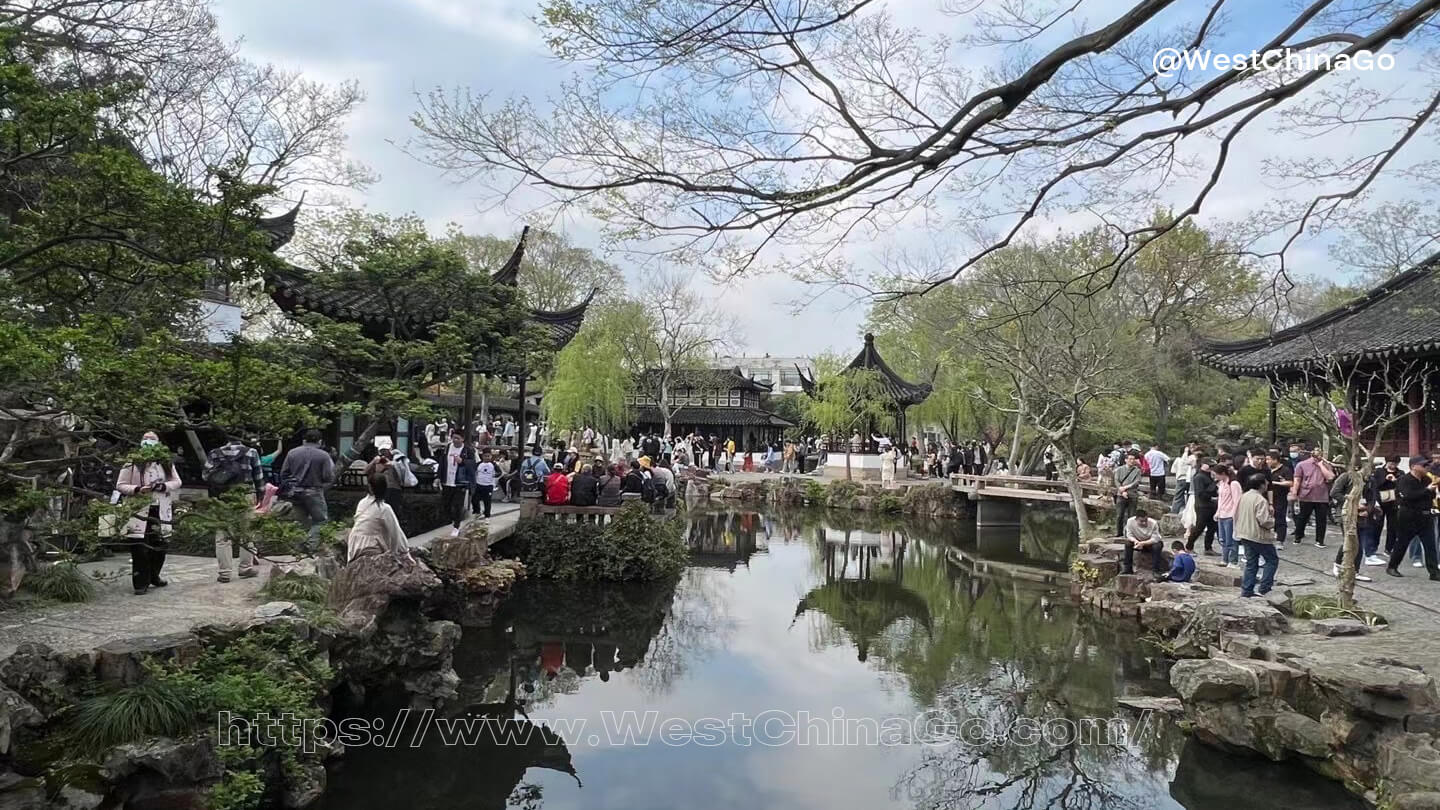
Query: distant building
[(780, 373)]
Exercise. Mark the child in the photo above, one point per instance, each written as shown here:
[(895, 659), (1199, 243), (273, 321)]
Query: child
[(1183, 567)]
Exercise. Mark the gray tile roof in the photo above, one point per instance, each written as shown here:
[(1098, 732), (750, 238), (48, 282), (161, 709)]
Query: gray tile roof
[(1400, 318)]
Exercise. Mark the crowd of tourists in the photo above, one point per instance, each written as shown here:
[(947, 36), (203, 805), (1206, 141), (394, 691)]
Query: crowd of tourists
[(1250, 502)]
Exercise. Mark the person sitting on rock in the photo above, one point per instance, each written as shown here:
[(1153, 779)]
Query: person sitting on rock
[(1142, 533), (1183, 566)]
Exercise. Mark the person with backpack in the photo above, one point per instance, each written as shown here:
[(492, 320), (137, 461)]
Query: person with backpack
[(456, 474), (533, 471), (234, 466), (664, 479)]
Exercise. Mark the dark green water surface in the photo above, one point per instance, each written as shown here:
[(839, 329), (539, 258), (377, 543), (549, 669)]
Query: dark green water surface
[(881, 630)]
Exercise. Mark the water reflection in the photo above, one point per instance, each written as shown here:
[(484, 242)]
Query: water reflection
[(803, 611)]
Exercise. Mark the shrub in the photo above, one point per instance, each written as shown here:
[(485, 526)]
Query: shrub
[(293, 587), (239, 790), (1325, 606), (843, 494), (887, 503), (63, 582), (815, 492), (153, 707), (634, 546)]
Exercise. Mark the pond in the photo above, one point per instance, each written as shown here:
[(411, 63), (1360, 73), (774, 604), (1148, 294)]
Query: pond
[(812, 660)]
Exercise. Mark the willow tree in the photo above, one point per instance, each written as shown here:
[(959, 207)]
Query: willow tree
[(847, 400)]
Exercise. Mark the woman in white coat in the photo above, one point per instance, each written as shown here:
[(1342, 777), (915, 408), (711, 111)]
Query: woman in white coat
[(376, 530), (151, 476)]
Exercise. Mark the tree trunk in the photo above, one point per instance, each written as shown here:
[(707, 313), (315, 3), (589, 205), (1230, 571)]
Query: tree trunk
[(361, 442), (1077, 492), (1162, 418), (847, 461), (1350, 520), (1015, 438)]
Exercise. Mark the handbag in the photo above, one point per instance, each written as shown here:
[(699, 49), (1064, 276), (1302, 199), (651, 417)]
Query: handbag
[(1387, 495), (108, 525)]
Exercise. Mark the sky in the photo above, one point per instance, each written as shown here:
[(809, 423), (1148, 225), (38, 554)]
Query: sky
[(395, 48), (398, 48)]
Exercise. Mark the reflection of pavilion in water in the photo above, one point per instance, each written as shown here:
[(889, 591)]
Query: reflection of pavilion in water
[(860, 597), (855, 553), (727, 539)]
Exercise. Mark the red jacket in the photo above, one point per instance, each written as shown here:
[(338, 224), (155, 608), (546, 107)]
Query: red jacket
[(557, 489)]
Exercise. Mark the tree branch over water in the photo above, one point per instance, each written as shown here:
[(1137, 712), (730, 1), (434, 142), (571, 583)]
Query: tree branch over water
[(766, 134)]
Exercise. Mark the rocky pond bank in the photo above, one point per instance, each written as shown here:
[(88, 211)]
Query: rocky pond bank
[(1262, 676), (178, 720)]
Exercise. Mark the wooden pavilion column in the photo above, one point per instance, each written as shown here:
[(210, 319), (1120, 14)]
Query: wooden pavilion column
[(520, 433), (467, 412), (1274, 422), (1416, 423)]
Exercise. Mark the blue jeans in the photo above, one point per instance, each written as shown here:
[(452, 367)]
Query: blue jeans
[(1253, 553), (1229, 549), (1182, 488), (1369, 538), (311, 507)]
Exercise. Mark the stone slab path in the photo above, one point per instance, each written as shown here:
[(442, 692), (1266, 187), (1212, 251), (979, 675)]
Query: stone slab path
[(1411, 604), (192, 597)]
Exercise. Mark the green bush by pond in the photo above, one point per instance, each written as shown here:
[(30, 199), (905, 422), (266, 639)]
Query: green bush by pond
[(636, 546)]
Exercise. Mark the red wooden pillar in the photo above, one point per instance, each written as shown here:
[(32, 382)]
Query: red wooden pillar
[(1417, 422)]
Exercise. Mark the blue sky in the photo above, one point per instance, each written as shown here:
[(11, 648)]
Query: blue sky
[(396, 48)]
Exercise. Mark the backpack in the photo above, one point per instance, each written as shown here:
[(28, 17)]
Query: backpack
[(648, 489), (529, 475), (226, 470), (407, 476)]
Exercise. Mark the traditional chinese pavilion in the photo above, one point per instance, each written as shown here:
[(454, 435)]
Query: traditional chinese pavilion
[(1397, 322), (901, 392), (297, 290)]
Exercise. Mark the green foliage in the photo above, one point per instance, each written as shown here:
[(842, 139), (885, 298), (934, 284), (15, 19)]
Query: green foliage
[(849, 400), (63, 582), (1327, 606), (889, 503), (239, 790), (843, 494), (635, 546), (153, 707), (295, 587), (588, 382), (815, 492), (233, 514)]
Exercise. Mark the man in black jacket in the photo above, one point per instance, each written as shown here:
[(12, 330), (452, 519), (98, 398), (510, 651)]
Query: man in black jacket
[(1413, 517), (1205, 492), (585, 486)]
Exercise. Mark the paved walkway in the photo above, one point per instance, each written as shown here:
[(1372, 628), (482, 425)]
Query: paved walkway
[(1410, 603), (192, 597)]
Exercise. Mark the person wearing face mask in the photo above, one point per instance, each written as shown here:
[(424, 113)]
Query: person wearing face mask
[(152, 479)]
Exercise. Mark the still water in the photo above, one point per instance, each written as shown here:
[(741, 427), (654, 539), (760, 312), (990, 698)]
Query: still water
[(809, 660)]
